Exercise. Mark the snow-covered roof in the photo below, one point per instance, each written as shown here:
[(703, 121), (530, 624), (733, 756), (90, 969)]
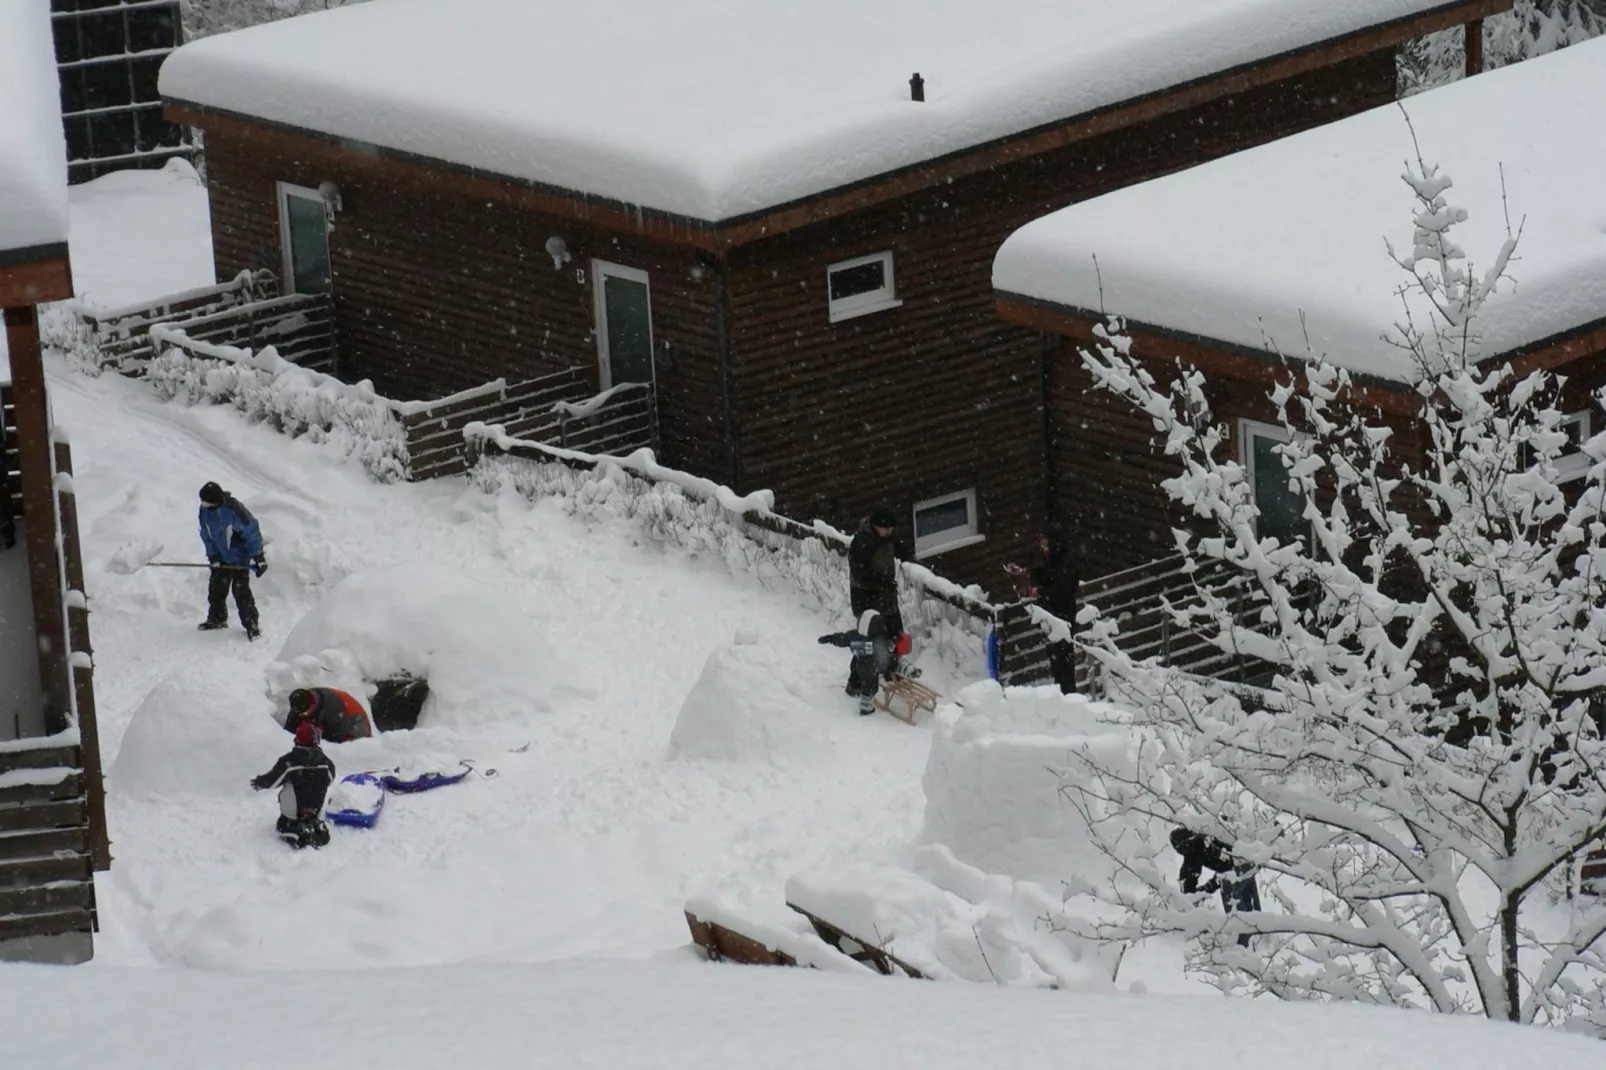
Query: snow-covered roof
[(715, 109), (33, 151), (1287, 240)]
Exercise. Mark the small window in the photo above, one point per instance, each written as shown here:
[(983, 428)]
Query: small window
[(1281, 503), (1571, 461), (946, 523), (861, 286)]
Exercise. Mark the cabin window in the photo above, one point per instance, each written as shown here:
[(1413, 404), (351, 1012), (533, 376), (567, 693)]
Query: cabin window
[(860, 286), (1281, 505), (1571, 462), (946, 523), (624, 324), (304, 240)]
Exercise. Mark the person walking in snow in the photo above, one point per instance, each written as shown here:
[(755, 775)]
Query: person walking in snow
[(872, 646), (233, 544), (1235, 880), (338, 715), (873, 572), (302, 775)]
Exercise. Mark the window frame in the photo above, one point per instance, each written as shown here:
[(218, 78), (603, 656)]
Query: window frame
[(1576, 465), (283, 191), (1248, 430), (600, 270), (952, 538), (856, 305)]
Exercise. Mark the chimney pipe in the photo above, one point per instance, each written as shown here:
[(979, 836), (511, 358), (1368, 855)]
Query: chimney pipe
[(917, 87)]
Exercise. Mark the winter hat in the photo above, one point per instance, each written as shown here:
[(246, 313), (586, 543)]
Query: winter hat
[(302, 701), (871, 625), (307, 734), (212, 494), (882, 516)]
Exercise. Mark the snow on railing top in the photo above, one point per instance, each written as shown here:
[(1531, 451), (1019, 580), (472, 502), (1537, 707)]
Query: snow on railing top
[(591, 405), (414, 408), (244, 280)]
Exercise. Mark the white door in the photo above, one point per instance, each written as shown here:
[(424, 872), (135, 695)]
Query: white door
[(624, 324)]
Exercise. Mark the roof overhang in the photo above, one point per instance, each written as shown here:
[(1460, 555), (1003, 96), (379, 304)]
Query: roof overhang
[(34, 275), (1231, 360), (740, 230)]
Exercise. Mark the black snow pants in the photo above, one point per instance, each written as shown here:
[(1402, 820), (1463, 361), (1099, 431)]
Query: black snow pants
[(217, 593)]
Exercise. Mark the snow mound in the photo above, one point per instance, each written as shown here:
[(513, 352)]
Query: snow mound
[(484, 659), (740, 710), (191, 736), (992, 791), (334, 668)]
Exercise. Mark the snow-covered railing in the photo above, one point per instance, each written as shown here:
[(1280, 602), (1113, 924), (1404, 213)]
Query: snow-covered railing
[(744, 530), (116, 337), (557, 409), (300, 328), (10, 465)]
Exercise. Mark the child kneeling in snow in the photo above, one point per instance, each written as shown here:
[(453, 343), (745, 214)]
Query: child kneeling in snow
[(303, 776), (872, 658)]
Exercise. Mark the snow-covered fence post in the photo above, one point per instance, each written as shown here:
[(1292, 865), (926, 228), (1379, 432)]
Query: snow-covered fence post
[(1426, 762)]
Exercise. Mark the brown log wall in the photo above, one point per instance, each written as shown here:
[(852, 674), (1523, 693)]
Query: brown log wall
[(437, 291), (938, 395)]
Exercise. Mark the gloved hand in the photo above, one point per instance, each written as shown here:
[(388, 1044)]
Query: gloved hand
[(214, 560), (824, 640), (259, 565), (258, 784)]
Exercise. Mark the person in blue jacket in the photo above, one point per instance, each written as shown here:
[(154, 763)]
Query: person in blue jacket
[(233, 545)]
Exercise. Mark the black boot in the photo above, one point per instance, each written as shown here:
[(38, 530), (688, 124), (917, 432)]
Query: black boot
[(210, 625)]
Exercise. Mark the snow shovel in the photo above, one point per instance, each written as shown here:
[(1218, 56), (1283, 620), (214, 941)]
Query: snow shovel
[(133, 556)]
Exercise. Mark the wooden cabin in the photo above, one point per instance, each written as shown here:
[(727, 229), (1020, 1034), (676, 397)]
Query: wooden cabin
[(1245, 267), (784, 220), (52, 814)]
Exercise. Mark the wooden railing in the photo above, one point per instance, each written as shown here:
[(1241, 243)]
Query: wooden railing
[(1136, 598), (557, 410), (299, 327), (10, 466), (121, 336)]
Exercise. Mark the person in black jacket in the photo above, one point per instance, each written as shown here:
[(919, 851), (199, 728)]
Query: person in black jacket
[(872, 658), (1056, 592), (873, 572), (1236, 880), (302, 775)]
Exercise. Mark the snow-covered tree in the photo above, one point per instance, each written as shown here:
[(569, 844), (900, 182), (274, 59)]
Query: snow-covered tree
[(1531, 28), (1422, 771)]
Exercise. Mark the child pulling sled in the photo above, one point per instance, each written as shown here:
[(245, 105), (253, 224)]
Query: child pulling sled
[(303, 776), (873, 657)]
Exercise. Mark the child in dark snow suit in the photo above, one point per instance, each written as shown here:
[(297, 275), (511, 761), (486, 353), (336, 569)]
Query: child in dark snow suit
[(1237, 878), (872, 657), (339, 716), (303, 776)]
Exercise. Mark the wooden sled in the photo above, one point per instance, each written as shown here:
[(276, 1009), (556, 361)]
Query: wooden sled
[(904, 698), (723, 944), (878, 958)]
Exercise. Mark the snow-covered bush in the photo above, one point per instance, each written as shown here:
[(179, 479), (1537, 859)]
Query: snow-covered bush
[(1531, 28), (1427, 757), (293, 400), (704, 518)]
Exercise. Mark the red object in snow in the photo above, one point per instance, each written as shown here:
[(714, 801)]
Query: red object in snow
[(905, 644)]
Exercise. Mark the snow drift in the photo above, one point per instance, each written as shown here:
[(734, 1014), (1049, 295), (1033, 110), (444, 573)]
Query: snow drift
[(191, 736), (740, 710), (483, 658), (992, 787)]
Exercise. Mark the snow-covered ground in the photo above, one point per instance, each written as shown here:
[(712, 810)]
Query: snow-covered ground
[(542, 908)]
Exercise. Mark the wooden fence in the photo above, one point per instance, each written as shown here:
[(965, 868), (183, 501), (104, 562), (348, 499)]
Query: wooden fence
[(299, 327), (558, 410), (121, 336), (10, 467), (46, 862)]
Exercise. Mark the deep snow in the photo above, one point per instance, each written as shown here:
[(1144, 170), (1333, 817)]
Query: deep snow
[(716, 108), (1287, 241)]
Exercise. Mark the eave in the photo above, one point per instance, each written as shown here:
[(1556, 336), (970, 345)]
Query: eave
[(34, 275)]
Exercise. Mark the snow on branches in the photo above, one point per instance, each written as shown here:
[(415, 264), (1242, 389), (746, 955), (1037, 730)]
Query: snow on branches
[(1420, 770)]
